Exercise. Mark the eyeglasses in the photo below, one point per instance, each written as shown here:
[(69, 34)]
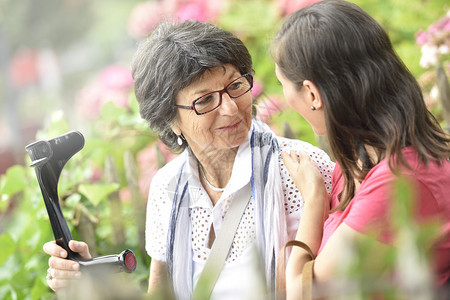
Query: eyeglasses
[(213, 100)]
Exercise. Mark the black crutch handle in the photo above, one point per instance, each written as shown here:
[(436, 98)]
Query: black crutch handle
[(49, 157)]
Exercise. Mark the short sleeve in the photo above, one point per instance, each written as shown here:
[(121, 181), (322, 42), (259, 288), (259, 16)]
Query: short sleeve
[(369, 211)]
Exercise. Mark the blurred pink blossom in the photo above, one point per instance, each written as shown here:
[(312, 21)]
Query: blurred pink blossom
[(116, 77), (192, 11), (287, 7), (147, 161), (23, 69), (113, 84), (435, 41), (148, 166), (200, 10), (146, 16), (269, 106), (257, 88), (89, 101), (167, 154), (421, 38), (125, 194), (97, 174)]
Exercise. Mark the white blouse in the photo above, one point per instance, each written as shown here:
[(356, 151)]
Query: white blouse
[(241, 264)]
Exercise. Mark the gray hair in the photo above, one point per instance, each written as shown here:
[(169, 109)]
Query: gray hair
[(173, 57)]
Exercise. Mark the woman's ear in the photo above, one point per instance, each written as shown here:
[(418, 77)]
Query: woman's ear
[(314, 94)]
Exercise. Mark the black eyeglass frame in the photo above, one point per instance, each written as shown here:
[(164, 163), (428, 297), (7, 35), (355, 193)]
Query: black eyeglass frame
[(224, 90)]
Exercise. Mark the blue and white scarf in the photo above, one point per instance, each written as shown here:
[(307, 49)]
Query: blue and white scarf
[(271, 232)]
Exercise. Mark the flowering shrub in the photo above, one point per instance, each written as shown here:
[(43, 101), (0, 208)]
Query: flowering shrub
[(146, 15), (289, 6), (435, 48), (114, 84), (435, 42)]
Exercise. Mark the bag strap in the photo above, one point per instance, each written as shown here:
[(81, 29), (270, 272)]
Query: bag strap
[(307, 272), (222, 244), (307, 280)]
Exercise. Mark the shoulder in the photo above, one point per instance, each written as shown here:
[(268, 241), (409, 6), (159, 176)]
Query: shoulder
[(428, 180), (286, 144), (319, 156)]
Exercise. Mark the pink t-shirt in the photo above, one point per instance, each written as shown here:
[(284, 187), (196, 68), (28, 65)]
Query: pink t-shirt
[(370, 209)]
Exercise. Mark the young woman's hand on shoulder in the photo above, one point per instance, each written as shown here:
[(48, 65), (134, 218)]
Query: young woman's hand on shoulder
[(304, 172)]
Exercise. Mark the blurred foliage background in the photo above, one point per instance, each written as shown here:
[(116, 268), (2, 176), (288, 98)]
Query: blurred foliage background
[(64, 65)]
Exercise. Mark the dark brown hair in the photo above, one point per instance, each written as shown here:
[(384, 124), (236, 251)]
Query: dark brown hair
[(370, 98)]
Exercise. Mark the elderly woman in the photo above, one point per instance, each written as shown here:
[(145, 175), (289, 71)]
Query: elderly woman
[(193, 82)]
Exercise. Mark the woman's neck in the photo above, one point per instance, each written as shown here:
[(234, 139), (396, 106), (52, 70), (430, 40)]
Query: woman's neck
[(216, 166)]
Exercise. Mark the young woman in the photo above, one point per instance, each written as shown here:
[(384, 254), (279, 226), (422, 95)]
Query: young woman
[(340, 72)]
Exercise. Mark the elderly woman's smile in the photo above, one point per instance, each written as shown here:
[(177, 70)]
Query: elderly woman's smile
[(231, 127), (225, 124)]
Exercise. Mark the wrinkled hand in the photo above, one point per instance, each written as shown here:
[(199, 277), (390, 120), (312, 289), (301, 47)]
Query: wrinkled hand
[(61, 271), (304, 172)]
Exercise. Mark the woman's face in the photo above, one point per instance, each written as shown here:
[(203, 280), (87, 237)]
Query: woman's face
[(301, 101), (227, 126)]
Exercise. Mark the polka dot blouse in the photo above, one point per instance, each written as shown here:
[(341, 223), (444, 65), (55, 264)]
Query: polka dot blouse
[(204, 216)]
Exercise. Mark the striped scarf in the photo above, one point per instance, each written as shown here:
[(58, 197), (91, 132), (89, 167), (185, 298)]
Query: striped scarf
[(270, 219)]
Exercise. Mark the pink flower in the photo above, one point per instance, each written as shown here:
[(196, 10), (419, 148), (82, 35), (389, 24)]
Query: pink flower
[(144, 18), (421, 38), (287, 7), (446, 26), (116, 77), (113, 84), (193, 11), (268, 107), (167, 154), (148, 166), (149, 161), (97, 174), (23, 69), (200, 10), (257, 88), (435, 41), (89, 101), (125, 194)]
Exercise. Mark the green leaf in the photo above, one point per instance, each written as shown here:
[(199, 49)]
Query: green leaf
[(134, 105), (8, 247), (95, 193), (14, 180), (73, 200), (7, 292), (111, 112), (39, 288), (4, 202), (58, 126)]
